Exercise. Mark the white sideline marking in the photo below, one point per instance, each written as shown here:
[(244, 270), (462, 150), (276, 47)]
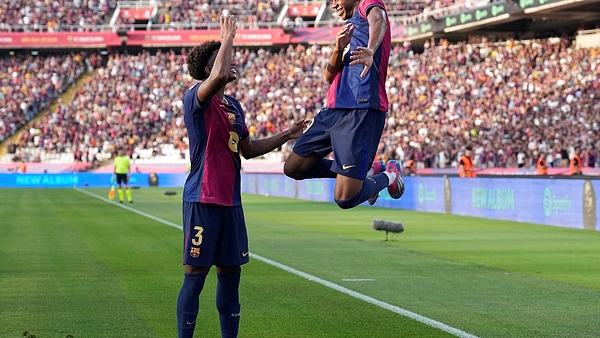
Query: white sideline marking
[(370, 300), (358, 279)]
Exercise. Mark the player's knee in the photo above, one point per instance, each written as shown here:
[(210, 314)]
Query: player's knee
[(344, 204), (348, 203), (196, 270), (291, 171)]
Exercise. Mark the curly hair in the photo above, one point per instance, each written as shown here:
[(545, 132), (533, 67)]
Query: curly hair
[(197, 59)]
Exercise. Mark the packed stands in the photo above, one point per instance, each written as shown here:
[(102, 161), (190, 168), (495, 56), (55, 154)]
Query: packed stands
[(419, 10), (103, 15), (28, 84), (199, 13), (510, 101), (132, 101), (53, 16)]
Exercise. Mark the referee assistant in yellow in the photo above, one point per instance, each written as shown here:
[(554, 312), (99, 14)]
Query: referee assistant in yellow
[(122, 164)]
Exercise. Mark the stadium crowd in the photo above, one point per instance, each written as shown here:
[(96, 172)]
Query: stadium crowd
[(132, 101), (197, 13), (510, 101), (53, 16), (28, 84), (407, 8), (87, 15)]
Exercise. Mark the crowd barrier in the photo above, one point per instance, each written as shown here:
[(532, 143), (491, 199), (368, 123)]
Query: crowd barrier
[(569, 203)]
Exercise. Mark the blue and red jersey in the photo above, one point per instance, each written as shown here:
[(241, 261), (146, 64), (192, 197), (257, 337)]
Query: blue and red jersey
[(215, 129), (348, 89)]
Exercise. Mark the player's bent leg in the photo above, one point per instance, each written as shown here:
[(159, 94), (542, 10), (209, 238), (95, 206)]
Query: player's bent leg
[(228, 300), (311, 166), (188, 301), (350, 192), (346, 187)]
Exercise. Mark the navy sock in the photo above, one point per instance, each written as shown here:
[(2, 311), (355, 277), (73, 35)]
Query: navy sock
[(228, 302), (321, 169), (188, 304), (370, 187)]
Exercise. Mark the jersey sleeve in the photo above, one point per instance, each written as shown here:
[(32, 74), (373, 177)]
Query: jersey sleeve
[(364, 7), (190, 99)]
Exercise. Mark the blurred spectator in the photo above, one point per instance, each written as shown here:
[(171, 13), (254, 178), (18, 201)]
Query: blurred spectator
[(542, 166), (410, 168), (575, 164)]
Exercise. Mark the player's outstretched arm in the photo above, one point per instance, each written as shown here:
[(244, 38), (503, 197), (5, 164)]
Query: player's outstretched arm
[(252, 148), (219, 71)]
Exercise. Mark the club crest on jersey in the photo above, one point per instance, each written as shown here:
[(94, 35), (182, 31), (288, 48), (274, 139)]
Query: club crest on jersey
[(231, 117), (195, 252)]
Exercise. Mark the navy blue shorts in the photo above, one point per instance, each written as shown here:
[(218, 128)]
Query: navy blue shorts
[(352, 134), (214, 235)]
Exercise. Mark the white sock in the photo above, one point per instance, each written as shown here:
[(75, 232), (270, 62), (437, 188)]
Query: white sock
[(370, 172), (391, 177)]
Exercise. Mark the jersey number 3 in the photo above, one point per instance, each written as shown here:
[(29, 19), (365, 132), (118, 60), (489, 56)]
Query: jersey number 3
[(197, 240)]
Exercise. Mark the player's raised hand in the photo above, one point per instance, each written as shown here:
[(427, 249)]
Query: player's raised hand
[(343, 36), (362, 55), (228, 26)]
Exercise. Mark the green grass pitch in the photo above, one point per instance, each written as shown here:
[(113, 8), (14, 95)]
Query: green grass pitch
[(74, 264)]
